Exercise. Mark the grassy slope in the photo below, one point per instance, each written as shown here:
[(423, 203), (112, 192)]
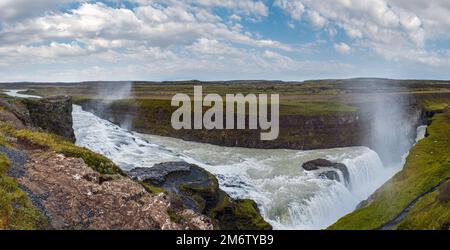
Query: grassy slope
[(432, 212), (98, 162), (16, 210), (428, 164)]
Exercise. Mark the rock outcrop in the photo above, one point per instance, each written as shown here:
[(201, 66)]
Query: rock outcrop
[(322, 164), (74, 196), (159, 173), (198, 190), (52, 115)]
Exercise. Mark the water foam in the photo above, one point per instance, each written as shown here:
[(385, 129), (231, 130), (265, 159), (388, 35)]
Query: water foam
[(288, 196)]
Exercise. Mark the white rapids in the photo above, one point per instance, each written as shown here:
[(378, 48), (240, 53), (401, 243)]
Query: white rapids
[(288, 196)]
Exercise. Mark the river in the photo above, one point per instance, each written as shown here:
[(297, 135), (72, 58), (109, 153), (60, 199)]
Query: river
[(288, 196)]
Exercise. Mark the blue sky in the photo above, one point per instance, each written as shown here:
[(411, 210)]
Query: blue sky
[(78, 40)]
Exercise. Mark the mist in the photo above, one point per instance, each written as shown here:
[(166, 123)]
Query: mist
[(113, 91), (392, 126), (110, 92)]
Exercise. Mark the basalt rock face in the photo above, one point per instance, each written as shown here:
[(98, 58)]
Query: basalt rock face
[(52, 115), (302, 132), (194, 188), (322, 164)]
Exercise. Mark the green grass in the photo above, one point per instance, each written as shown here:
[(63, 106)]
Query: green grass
[(16, 210), (287, 107), (427, 164), (435, 104), (151, 189), (248, 210), (432, 212), (314, 108), (96, 161)]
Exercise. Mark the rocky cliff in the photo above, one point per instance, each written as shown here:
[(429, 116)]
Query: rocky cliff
[(53, 115), (296, 131)]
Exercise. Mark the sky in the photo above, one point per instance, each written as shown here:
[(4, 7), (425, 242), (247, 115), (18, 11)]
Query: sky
[(158, 40)]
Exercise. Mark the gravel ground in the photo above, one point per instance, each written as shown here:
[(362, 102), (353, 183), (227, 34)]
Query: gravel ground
[(17, 159)]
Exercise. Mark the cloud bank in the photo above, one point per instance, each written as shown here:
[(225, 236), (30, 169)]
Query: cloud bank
[(73, 40)]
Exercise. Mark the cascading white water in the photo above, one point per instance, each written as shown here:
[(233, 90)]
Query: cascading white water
[(288, 196)]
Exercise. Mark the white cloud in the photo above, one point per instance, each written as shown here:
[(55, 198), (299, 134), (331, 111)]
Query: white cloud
[(342, 48), (152, 41), (379, 24), (316, 19), (21, 9), (160, 39), (235, 17), (245, 7), (156, 26), (294, 7)]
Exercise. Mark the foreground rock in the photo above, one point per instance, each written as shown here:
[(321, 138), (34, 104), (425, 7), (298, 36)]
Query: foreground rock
[(322, 164), (198, 190), (73, 196)]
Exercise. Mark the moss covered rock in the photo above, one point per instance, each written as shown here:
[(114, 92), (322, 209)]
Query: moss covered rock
[(193, 187)]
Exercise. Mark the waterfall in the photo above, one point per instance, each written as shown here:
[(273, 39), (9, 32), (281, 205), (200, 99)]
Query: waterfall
[(288, 196), (367, 173)]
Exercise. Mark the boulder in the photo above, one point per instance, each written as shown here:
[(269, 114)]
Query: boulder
[(158, 174), (332, 175), (320, 164), (195, 188)]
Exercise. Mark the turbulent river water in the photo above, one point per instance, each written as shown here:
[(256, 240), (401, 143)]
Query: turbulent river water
[(288, 196)]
